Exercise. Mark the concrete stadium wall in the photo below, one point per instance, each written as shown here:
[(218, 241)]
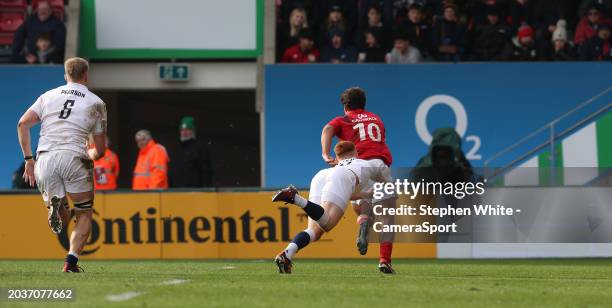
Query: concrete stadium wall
[(144, 76)]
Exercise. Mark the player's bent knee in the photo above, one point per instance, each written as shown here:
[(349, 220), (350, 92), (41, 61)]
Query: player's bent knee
[(333, 214), (323, 225), (327, 228)]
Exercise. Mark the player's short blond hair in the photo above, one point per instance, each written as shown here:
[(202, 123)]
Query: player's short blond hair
[(343, 148), (76, 68)]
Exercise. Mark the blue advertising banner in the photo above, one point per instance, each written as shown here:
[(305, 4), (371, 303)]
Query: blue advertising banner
[(491, 105), (20, 86)]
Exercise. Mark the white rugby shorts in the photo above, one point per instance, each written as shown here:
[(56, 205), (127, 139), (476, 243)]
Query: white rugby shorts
[(339, 187), (63, 171)]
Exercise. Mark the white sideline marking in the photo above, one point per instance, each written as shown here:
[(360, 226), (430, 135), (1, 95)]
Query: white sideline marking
[(123, 296), (228, 267), (174, 281)]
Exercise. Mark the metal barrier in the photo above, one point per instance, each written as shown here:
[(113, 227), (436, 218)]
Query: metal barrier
[(552, 137)]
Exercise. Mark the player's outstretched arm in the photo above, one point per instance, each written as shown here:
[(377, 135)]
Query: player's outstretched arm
[(327, 135), (28, 119)]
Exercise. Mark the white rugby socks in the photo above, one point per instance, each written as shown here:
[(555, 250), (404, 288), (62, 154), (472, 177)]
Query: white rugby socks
[(300, 201), (291, 249), (300, 241)]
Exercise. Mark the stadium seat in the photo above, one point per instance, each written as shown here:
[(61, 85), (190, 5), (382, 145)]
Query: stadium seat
[(9, 22), (6, 39), (55, 4), (16, 5)]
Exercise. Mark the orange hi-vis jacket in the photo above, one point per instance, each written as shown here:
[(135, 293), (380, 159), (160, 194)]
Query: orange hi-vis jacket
[(106, 171), (151, 171)]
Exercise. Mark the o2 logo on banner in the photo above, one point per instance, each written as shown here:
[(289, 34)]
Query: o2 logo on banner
[(461, 122)]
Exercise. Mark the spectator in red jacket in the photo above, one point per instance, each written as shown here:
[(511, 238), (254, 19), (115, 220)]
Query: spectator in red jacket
[(587, 27), (302, 52)]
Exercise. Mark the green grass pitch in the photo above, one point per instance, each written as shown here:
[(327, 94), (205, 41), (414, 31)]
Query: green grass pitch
[(322, 283)]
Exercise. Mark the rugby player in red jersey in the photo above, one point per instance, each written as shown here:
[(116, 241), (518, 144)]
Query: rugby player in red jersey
[(367, 131)]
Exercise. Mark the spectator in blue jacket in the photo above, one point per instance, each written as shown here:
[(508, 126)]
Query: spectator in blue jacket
[(337, 51), (43, 21)]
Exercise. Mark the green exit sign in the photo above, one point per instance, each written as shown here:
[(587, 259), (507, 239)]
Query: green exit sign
[(173, 71)]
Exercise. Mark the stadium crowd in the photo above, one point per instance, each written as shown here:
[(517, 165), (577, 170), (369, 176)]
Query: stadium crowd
[(413, 31)]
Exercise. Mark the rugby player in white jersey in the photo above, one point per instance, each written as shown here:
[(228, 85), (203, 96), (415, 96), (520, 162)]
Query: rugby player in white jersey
[(64, 166), (343, 183)]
